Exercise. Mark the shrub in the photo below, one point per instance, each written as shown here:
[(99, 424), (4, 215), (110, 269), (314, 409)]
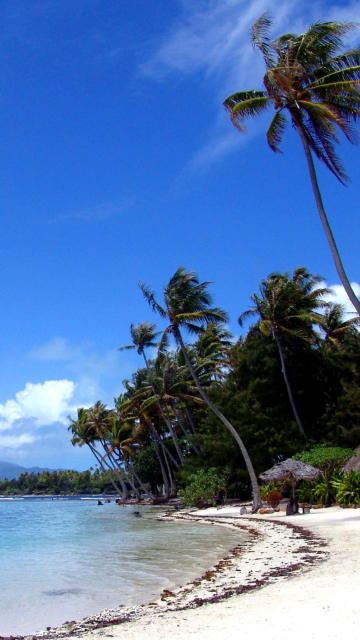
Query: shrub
[(267, 488), (204, 487), (348, 488), (274, 498)]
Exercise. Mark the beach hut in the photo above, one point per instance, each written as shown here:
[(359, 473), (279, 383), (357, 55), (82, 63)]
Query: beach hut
[(292, 470)]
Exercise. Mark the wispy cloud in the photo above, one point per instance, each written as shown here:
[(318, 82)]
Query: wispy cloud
[(97, 212), (211, 39)]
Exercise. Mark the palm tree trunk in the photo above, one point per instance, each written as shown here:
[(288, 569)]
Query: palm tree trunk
[(328, 232), (254, 483), (283, 371), (97, 455), (163, 470), (190, 419), (174, 436), (114, 468), (171, 477), (184, 430), (166, 419)]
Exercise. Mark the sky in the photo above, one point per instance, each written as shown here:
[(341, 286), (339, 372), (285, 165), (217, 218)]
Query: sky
[(119, 164)]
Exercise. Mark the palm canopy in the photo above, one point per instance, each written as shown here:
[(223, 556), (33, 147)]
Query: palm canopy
[(334, 325), (289, 306), (187, 303), (309, 78), (143, 336)]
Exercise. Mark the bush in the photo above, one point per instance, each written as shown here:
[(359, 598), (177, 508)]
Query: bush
[(274, 498), (204, 487), (267, 488), (348, 488)]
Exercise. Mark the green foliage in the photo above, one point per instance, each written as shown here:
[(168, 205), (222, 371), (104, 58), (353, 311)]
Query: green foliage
[(203, 488), (265, 489), (58, 483), (348, 488), (325, 458)]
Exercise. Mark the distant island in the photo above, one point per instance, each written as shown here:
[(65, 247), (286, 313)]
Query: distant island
[(17, 480)]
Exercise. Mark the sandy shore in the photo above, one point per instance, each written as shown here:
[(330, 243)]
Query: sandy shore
[(294, 577)]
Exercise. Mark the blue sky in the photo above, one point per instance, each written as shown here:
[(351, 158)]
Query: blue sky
[(118, 164)]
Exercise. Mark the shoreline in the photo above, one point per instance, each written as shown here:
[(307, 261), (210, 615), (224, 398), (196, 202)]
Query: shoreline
[(275, 549)]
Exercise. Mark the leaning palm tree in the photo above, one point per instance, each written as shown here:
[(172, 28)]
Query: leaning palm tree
[(187, 305), (312, 81), (143, 337), (288, 309)]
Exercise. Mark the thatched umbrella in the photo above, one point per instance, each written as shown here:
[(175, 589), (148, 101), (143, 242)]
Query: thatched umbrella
[(293, 470)]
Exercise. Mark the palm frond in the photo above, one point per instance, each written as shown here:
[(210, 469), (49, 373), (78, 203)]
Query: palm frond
[(260, 38), (149, 295), (246, 109), (276, 131)]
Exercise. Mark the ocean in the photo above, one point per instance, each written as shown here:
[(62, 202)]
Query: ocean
[(65, 559)]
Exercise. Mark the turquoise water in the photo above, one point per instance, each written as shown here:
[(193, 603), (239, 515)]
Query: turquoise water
[(63, 560)]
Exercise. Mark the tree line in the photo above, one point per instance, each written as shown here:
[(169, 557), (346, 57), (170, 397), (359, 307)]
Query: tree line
[(292, 382)]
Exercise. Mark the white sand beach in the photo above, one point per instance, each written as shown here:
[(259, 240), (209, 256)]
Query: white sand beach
[(289, 582)]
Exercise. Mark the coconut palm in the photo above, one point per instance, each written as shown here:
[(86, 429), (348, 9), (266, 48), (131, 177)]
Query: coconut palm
[(288, 309), (187, 305), (311, 80), (144, 336), (335, 327), (83, 433)]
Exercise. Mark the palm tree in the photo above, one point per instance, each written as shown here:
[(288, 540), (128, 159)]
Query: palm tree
[(187, 304), (311, 80), (83, 433), (334, 326), (288, 309), (144, 336)]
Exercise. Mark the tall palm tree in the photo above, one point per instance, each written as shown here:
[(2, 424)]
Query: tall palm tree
[(144, 336), (310, 79), (187, 304), (288, 308)]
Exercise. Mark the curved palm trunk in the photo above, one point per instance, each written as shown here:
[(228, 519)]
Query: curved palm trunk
[(254, 483), (172, 483), (165, 418), (162, 468), (97, 455), (283, 371), (174, 436), (184, 430), (114, 468), (140, 482), (328, 232)]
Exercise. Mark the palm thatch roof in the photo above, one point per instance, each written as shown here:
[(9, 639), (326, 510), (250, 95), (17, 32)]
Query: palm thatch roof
[(292, 469), (353, 463)]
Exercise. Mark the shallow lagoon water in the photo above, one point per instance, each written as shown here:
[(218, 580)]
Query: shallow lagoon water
[(63, 560)]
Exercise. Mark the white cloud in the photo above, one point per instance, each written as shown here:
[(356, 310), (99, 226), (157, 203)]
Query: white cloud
[(42, 404), (340, 296)]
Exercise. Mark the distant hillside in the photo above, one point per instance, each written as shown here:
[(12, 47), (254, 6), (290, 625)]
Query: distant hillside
[(10, 471)]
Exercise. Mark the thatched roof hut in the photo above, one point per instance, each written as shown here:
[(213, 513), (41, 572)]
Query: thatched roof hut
[(293, 470)]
